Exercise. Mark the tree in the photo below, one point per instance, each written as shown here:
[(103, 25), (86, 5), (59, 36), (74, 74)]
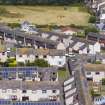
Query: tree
[(103, 81), (29, 63), (41, 63), (90, 29), (94, 94), (40, 2), (21, 64), (92, 19)]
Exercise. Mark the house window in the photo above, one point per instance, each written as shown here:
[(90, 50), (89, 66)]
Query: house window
[(97, 73), (60, 56), (44, 56), (54, 73), (14, 91), (59, 62), (52, 57), (3, 53), (34, 92), (88, 73), (3, 91), (36, 56), (20, 55), (53, 91), (24, 91), (44, 91)]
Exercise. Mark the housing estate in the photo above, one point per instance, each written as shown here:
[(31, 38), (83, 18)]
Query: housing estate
[(29, 84)]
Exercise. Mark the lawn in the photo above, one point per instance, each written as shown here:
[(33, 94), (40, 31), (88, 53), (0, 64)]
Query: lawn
[(63, 74), (42, 15)]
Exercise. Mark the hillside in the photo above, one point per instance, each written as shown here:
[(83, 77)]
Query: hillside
[(43, 15)]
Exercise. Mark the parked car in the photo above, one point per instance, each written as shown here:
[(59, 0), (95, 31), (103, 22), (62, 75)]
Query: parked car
[(70, 55)]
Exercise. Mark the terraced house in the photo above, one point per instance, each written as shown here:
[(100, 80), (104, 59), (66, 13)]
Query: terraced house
[(52, 56)]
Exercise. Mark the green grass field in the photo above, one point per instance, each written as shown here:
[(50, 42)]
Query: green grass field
[(63, 74), (42, 15)]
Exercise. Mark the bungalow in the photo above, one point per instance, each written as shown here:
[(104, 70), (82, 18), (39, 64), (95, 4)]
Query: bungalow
[(67, 30), (27, 27)]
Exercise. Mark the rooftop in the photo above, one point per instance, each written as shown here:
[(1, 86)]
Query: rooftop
[(94, 67), (52, 52), (28, 85), (46, 69), (96, 35), (9, 102)]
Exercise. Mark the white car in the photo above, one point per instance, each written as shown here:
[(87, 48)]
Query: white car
[(70, 55)]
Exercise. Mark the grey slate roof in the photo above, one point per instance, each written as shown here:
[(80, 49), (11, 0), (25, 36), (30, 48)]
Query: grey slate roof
[(96, 35), (39, 69), (13, 84), (17, 32)]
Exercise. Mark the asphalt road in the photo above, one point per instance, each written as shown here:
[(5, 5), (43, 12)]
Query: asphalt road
[(76, 66)]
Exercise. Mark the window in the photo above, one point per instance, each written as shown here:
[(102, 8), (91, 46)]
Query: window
[(97, 73), (59, 62), (53, 91), (14, 97), (24, 91), (14, 91), (3, 91), (44, 91), (44, 56), (34, 92), (3, 53), (54, 73), (88, 73), (52, 57), (60, 56), (36, 56), (20, 55)]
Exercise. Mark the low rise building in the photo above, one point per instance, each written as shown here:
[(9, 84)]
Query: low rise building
[(27, 27), (53, 56), (82, 46), (29, 91), (95, 72), (29, 73)]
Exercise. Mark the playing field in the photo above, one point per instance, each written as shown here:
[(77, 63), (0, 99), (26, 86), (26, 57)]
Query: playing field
[(44, 15)]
